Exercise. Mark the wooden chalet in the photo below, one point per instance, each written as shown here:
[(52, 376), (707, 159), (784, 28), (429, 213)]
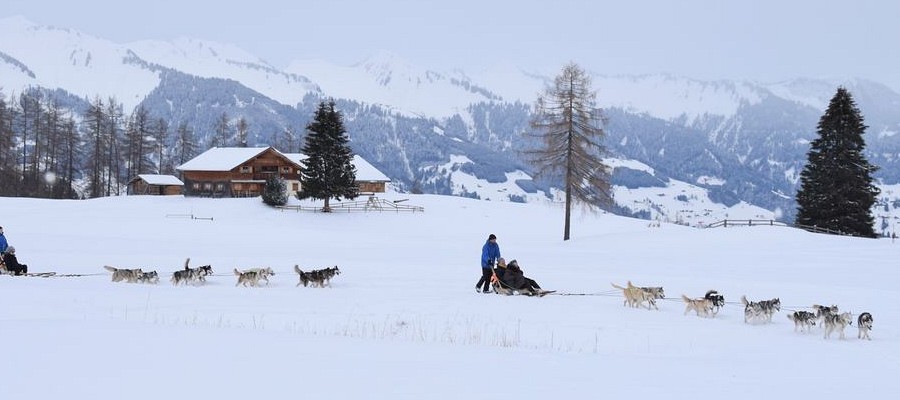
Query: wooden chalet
[(237, 172), (242, 172), (158, 185)]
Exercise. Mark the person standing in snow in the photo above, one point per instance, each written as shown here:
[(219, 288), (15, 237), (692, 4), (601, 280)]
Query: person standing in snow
[(3, 243), (490, 253), (12, 263)]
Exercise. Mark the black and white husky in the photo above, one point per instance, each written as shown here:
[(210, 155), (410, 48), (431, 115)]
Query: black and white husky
[(718, 301), (191, 275), (803, 320), (864, 323)]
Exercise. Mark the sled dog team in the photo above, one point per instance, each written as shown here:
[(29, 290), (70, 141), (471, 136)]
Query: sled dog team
[(830, 318), (754, 311), (247, 278)]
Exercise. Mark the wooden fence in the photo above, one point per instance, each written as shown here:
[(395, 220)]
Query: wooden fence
[(373, 204), (769, 222)]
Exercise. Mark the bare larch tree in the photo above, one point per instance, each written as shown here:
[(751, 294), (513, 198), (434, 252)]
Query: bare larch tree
[(570, 127)]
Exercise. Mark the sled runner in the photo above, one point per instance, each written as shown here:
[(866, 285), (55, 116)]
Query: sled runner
[(40, 274)]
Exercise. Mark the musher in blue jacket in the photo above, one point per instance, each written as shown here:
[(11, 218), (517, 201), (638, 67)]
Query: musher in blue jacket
[(3, 243), (490, 253)]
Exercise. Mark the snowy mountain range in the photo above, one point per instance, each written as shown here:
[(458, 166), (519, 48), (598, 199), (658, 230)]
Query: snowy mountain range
[(459, 132)]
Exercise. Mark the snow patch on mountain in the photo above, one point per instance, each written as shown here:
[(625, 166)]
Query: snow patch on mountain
[(68, 59), (216, 60), (389, 81), (676, 201), (668, 97)]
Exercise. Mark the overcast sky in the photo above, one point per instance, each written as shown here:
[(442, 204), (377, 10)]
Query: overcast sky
[(765, 40)]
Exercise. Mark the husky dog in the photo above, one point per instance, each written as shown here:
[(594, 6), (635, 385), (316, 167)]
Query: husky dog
[(121, 274), (837, 322), (651, 293), (191, 275), (264, 273), (304, 277), (251, 277), (654, 292), (718, 301), (864, 323), (760, 309), (803, 320), (148, 277), (329, 273), (700, 306), (319, 277), (823, 311), (635, 296)]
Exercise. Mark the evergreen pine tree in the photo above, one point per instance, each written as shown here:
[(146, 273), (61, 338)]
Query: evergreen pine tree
[(328, 170), (836, 190), (275, 191)]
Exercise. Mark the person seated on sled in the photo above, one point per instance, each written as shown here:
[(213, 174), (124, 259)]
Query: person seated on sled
[(512, 277), (12, 263)]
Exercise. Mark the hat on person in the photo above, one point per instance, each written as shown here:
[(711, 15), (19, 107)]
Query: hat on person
[(492, 237), (11, 249)]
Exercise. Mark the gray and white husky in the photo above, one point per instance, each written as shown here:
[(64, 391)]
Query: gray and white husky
[(760, 310), (253, 276), (148, 277), (121, 274), (837, 322)]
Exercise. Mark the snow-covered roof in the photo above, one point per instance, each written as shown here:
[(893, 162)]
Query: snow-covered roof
[(227, 158), (221, 158), (161, 180), (364, 170)]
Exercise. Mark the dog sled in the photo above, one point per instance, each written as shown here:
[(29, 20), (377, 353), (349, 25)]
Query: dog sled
[(508, 279)]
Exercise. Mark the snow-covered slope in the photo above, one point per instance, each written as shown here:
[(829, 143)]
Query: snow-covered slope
[(402, 321), (216, 60), (88, 66), (31, 54), (67, 59), (670, 201)]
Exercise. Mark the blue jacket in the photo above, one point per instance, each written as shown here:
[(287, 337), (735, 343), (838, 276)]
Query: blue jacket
[(490, 253), (3, 244)]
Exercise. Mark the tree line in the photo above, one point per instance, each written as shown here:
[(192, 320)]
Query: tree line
[(48, 150)]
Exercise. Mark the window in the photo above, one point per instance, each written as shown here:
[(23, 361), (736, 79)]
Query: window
[(238, 187), (207, 186), (285, 170), (246, 169), (271, 169), (220, 187), (196, 185), (295, 187)]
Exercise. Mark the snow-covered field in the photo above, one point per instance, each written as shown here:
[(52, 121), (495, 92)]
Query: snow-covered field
[(403, 321)]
